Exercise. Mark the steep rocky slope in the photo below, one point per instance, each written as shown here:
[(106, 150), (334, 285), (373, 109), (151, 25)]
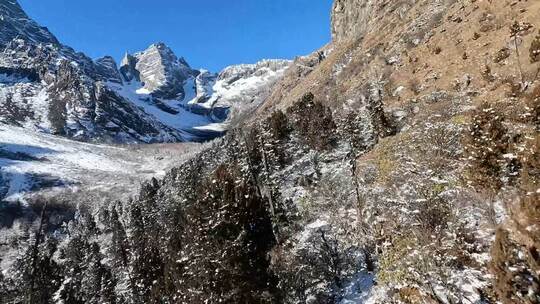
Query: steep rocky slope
[(107, 67), (398, 164), (15, 23), (457, 82)]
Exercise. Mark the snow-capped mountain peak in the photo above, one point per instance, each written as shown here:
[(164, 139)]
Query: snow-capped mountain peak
[(196, 101), (242, 86), (160, 71)]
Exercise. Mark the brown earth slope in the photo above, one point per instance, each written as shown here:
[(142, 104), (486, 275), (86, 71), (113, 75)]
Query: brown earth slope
[(459, 80)]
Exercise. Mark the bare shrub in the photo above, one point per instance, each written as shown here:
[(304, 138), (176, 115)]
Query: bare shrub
[(439, 147), (317, 269), (533, 105), (487, 74), (486, 143), (514, 86), (314, 122), (279, 125), (501, 55)]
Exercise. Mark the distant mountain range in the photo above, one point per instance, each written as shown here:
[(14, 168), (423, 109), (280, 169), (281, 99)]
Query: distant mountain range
[(153, 96)]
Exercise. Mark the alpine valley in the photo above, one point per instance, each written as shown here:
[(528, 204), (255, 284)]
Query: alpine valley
[(399, 163), (49, 90)]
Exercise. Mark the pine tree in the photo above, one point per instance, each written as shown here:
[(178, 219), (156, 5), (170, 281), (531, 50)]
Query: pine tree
[(94, 273), (6, 288), (77, 257), (107, 294), (37, 276), (146, 263), (119, 252), (119, 248)]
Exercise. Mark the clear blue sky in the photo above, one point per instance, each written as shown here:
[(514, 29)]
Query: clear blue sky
[(210, 34)]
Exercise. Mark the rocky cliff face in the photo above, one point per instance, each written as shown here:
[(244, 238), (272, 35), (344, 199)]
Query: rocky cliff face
[(108, 70), (351, 17), (127, 68)]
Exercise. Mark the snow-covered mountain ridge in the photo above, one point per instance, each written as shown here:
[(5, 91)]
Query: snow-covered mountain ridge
[(197, 101), (15, 23), (154, 96)]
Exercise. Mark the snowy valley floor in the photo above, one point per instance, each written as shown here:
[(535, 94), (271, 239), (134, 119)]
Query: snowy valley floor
[(33, 163)]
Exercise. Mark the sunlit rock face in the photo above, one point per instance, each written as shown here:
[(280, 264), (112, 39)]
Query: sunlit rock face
[(161, 72), (351, 17)]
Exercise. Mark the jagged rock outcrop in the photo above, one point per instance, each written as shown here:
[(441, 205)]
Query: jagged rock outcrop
[(127, 68), (107, 68), (204, 83), (161, 72)]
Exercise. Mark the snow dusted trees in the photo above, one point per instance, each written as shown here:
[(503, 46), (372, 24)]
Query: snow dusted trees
[(227, 258), (36, 273), (279, 125), (283, 212), (145, 262), (81, 254), (206, 238)]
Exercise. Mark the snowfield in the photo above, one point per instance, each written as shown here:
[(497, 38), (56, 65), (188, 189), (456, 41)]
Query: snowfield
[(34, 163), (180, 119)]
